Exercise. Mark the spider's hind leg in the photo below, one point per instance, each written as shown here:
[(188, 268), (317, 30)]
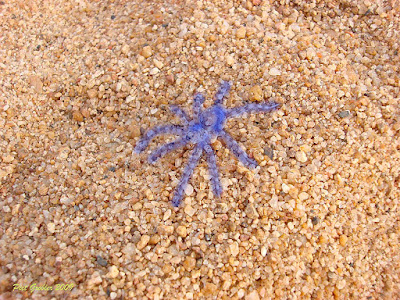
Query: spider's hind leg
[(152, 133)]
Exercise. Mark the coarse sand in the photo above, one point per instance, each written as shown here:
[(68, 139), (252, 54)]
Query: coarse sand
[(81, 81)]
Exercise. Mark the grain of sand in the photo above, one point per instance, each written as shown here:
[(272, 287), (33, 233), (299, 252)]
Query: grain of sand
[(80, 81)]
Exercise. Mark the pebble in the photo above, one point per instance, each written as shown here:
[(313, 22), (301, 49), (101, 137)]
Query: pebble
[(344, 114), (144, 240), (274, 72), (113, 272), (51, 227), (252, 296), (301, 156), (234, 248), (256, 93), (189, 190), (147, 51), (181, 231), (241, 33)]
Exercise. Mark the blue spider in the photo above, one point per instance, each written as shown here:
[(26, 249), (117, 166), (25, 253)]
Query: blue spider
[(205, 126)]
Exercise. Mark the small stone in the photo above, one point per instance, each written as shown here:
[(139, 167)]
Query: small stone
[(92, 93), (51, 227), (274, 72), (7, 158), (181, 231), (190, 211), (285, 188), (158, 64), (251, 212), (343, 240), (224, 27), (113, 272), (43, 189), (341, 284), (101, 261), (155, 239), (301, 156), (144, 240), (154, 71), (230, 60), (209, 289), (77, 116), (256, 93), (252, 296), (303, 196), (241, 33), (125, 49), (147, 51), (189, 263), (94, 280), (269, 152), (189, 190), (256, 2), (36, 83), (234, 248), (263, 251), (344, 114), (129, 99), (314, 220), (170, 78)]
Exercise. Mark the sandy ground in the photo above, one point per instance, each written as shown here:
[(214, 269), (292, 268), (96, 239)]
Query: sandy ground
[(81, 81)]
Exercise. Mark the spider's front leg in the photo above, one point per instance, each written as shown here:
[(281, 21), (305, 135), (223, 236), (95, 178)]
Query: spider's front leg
[(159, 130), (161, 151), (251, 108)]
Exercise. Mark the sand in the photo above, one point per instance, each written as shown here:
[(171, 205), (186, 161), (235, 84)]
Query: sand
[(81, 81)]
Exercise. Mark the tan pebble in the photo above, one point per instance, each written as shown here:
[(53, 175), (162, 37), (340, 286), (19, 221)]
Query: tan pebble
[(251, 212), (189, 263), (305, 148), (170, 78), (343, 240), (181, 231), (155, 239), (224, 27), (147, 51), (241, 33), (144, 240), (94, 280), (285, 188), (77, 116), (158, 64), (125, 49), (189, 190), (274, 72), (234, 248), (303, 196), (256, 93), (209, 289), (51, 227), (263, 251), (301, 156), (154, 71), (36, 82), (149, 194), (129, 99), (166, 229), (92, 93), (322, 240), (43, 189), (341, 284), (7, 158), (230, 60), (137, 206), (113, 272), (252, 296), (190, 211)]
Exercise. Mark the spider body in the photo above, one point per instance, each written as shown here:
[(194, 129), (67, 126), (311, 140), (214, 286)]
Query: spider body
[(205, 126)]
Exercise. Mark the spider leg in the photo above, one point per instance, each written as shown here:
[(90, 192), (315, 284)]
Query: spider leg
[(187, 174), (213, 170), (222, 92), (180, 113), (251, 108), (237, 150), (161, 151), (198, 101), (152, 133)]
